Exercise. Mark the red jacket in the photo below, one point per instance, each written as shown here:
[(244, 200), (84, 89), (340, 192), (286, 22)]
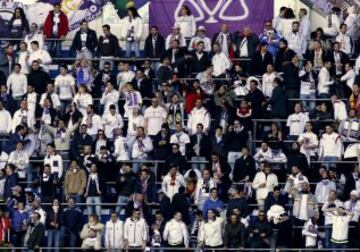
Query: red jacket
[(63, 28), (190, 100)]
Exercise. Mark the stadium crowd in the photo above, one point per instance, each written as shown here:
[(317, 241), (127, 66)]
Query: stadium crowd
[(241, 140)]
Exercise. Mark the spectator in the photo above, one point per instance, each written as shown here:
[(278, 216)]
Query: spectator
[(17, 83), (340, 228), (296, 122), (141, 147), (85, 41), (176, 158), (11, 180), (154, 44), (40, 56), (135, 231), (54, 160), (172, 182), (344, 39), (145, 184), (132, 31), (261, 231), (264, 153), (91, 233), (56, 26), (37, 77), (182, 139), (256, 100), (112, 120), (19, 222), (35, 233), (210, 235), (114, 233), (296, 180), (53, 224), (213, 202), (309, 142), (220, 61), (296, 158), (276, 197), (233, 231), (7, 61), (323, 188), (244, 168), (21, 57), (84, 76), (20, 160), (331, 147), (18, 24), (93, 191), (49, 184), (176, 232), (310, 231), (278, 101), (108, 47), (272, 37), (237, 201), (264, 182), (338, 59), (283, 56), (34, 35), (262, 58), (268, 78), (339, 108), (75, 182), (65, 87), (72, 224), (203, 187), (198, 115), (175, 35), (93, 121), (154, 116), (308, 78), (125, 186)]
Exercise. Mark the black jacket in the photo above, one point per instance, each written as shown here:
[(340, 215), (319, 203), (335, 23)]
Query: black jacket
[(78, 143), (199, 65), (99, 85), (204, 145), (51, 216), (39, 79), (252, 42), (181, 204), (296, 158), (71, 219), (18, 32), (36, 236), (144, 86), (350, 184), (270, 200), (164, 74), (151, 190), (283, 57), (256, 99), (261, 63), (177, 159), (236, 141), (278, 102), (291, 77), (241, 204), (126, 184), (159, 47), (90, 43), (180, 61), (75, 117), (234, 235), (161, 152), (344, 58), (108, 49), (244, 167)]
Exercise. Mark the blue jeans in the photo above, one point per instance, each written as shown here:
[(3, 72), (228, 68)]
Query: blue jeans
[(54, 48), (327, 243), (136, 48), (121, 200), (53, 239), (329, 158), (308, 105), (90, 208), (72, 237), (339, 247)]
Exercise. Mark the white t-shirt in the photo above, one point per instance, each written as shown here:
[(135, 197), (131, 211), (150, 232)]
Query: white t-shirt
[(296, 123), (156, 117), (64, 84)]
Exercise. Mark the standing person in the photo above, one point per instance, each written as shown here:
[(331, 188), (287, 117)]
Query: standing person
[(172, 182), (18, 24), (155, 116), (199, 114), (186, 21), (235, 233), (114, 233), (34, 35), (154, 44), (296, 122), (56, 27), (53, 226), (93, 191), (72, 223), (35, 233), (85, 41), (91, 233), (132, 29), (340, 229), (331, 147), (176, 233), (65, 87), (135, 231), (141, 147), (210, 234), (344, 39), (108, 47), (310, 231), (203, 187), (42, 57)]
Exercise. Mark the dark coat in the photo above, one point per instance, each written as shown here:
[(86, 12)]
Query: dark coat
[(177, 159), (161, 152), (241, 204), (126, 184), (234, 235), (51, 216), (110, 49), (199, 65), (283, 58), (180, 61), (78, 143), (244, 167), (71, 219), (261, 63), (90, 43), (344, 58), (296, 158), (270, 200), (39, 79), (278, 102), (204, 145), (36, 236), (252, 43), (10, 182), (164, 74), (256, 99), (159, 47), (236, 141), (291, 77), (144, 86), (151, 190), (181, 204)]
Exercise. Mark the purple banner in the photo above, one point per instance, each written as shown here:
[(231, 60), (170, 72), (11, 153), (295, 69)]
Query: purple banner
[(213, 13)]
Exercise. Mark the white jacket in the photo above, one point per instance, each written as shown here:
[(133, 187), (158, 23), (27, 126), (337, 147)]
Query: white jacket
[(270, 180), (310, 231), (137, 24), (108, 99), (176, 233), (323, 189), (112, 122), (345, 43), (55, 162), (21, 116), (354, 208), (296, 123), (197, 116), (5, 119), (201, 195), (187, 25), (169, 187), (114, 234), (82, 101), (221, 63), (331, 145), (340, 112), (121, 149), (43, 55), (17, 84), (324, 81), (21, 161), (305, 28), (197, 39), (135, 232), (340, 228), (296, 42), (94, 123), (267, 80), (353, 25), (334, 29), (55, 100), (211, 232), (141, 148), (349, 77)]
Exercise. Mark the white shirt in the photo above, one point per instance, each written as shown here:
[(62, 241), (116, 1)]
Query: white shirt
[(182, 139), (110, 98), (353, 25), (17, 84), (345, 43), (197, 116), (154, 117), (55, 162), (323, 189), (93, 122), (328, 214), (112, 122), (305, 27), (64, 84), (36, 37), (133, 123), (82, 101), (171, 186), (43, 55), (340, 228), (55, 100), (176, 233), (334, 29), (5, 119), (331, 145), (170, 37), (195, 40), (187, 25), (121, 151), (124, 77), (114, 234), (135, 232), (349, 77), (136, 25), (340, 112), (310, 231), (270, 182), (296, 42), (221, 63), (210, 232), (267, 80), (22, 60), (296, 123), (309, 138), (307, 87), (324, 81), (141, 147), (23, 116), (21, 161), (353, 207)]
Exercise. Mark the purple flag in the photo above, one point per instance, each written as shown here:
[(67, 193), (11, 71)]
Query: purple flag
[(213, 13)]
